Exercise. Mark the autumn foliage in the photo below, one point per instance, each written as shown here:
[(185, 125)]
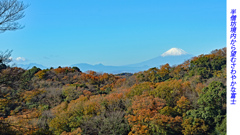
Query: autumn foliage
[(186, 99)]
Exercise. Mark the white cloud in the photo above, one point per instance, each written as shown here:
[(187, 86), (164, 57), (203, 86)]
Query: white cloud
[(20, 59)]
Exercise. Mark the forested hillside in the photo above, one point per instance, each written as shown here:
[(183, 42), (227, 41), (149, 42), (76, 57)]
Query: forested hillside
[(188, 99)]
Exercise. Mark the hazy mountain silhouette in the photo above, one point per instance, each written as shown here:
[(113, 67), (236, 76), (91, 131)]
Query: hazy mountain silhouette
[(29, 66), (160, 60), (109, 69), (174, 56)]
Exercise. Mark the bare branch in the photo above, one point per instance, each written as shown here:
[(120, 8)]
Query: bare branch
[(10, 12), (5, 57)]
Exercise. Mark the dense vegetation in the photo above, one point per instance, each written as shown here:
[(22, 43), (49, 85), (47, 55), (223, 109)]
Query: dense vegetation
[(187, 99)]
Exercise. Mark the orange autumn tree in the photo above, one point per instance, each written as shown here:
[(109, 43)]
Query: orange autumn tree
[(145, 117), (143, 108), (24, 122), (164, 72), (183, 105)]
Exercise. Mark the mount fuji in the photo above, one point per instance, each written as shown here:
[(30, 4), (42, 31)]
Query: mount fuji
[(174, 52), (174, 56)]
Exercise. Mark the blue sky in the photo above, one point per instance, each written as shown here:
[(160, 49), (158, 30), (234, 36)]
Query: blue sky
[(114, 32)]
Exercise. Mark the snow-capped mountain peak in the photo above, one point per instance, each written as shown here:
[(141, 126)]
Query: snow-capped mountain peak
[(174, 52)]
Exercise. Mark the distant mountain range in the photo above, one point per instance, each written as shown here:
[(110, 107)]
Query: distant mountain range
[(29, 66), (109, 69), (161, 60), (173, 56)]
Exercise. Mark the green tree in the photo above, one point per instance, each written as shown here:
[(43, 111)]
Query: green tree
[(212, 103), (211, 111), (27, 76)]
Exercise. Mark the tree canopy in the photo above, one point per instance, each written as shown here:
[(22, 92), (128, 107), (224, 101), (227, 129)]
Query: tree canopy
[(186, 99)]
